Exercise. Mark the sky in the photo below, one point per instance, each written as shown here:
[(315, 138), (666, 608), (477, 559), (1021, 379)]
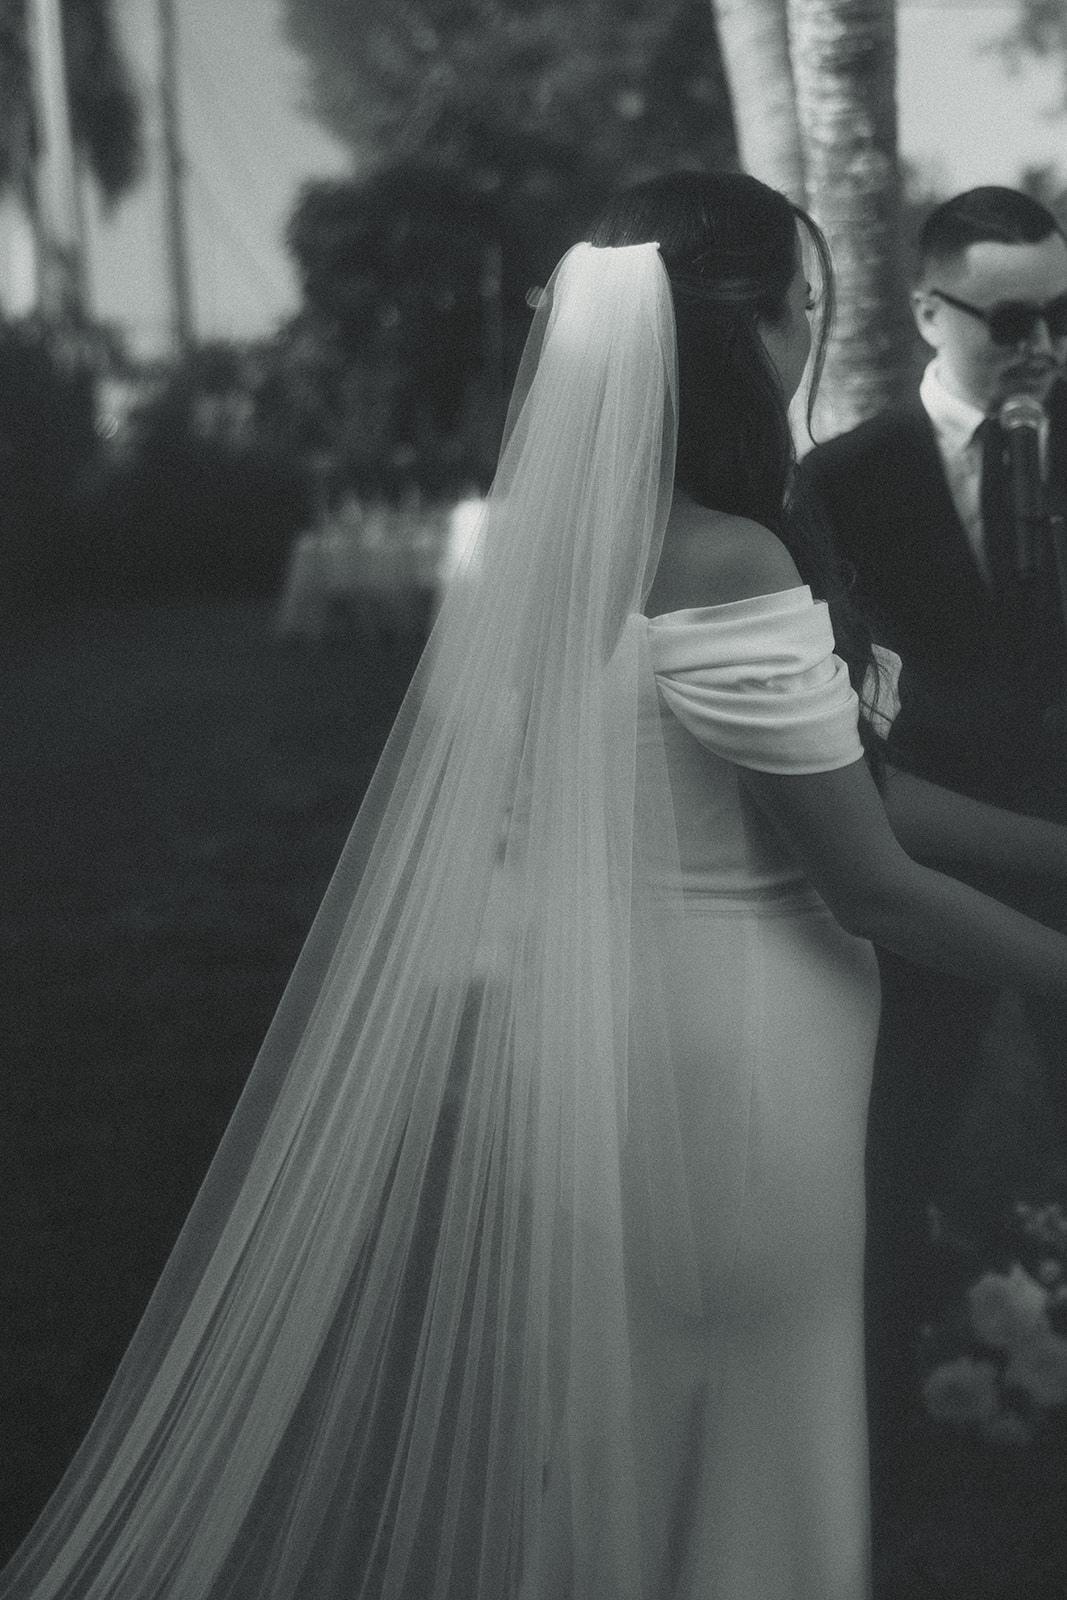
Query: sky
[(250, 144), (964, 118)]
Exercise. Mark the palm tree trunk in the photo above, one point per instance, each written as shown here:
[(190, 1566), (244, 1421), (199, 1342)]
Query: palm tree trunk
[(844, 66), (60, 246), (754, 40)]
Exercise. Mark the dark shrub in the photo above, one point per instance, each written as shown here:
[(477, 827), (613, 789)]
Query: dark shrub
[(192, 498), (48, 445), (189, 517)]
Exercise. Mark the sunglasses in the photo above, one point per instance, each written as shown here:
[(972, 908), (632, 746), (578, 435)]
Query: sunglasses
[(1012, 321)]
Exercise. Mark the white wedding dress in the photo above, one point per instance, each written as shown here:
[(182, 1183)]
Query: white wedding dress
[(750, 1418)]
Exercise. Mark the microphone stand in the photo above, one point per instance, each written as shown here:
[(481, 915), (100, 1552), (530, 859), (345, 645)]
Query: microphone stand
[(1054, 524), (1039, 511)]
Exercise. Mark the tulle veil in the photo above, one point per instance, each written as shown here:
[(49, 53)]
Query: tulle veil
[(389, 1353)]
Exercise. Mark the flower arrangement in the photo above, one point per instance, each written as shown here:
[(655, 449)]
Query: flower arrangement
[(996, 1366)]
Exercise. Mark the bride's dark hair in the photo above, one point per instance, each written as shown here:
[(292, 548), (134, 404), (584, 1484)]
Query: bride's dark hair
[(730, 247), (729, 244)]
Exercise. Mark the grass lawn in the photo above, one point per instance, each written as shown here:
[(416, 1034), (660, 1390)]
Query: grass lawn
[(175, 789)]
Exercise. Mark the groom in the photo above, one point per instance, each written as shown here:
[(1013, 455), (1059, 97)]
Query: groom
[(917, 502)]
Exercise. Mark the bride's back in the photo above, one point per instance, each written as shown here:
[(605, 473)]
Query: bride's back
[(711, 558)]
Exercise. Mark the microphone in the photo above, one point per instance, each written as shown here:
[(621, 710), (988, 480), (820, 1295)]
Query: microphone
[(1021, 416)]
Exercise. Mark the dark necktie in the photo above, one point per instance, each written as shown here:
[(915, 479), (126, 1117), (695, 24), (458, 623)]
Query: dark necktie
[(998, 527)]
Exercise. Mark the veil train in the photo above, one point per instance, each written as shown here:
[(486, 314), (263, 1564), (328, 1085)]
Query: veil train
[(389, 1354)]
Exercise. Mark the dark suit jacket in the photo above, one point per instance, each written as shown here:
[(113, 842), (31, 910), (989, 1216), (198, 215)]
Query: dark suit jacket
[(980, 674)]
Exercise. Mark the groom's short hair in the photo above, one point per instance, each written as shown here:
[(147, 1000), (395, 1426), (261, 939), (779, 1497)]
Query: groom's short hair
[(1004, 216)]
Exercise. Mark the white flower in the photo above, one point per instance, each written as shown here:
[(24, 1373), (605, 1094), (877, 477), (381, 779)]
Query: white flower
[(1039, 1366), (1007, 1308), (1047, 1223), (962, 1391)]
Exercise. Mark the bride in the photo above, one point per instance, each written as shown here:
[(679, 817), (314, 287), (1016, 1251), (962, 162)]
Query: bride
[(530, 1263)]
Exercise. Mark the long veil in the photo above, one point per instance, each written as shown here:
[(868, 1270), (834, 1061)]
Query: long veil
[(389, 1353)]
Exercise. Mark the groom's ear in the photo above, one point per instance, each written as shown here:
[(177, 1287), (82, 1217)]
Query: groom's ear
[(925, 308)]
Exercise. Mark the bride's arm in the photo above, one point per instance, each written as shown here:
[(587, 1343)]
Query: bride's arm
[(837, 826), (938, 826), (839, 829)]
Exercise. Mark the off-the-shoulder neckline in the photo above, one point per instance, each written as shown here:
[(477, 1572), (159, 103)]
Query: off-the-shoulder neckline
[(775, 601)]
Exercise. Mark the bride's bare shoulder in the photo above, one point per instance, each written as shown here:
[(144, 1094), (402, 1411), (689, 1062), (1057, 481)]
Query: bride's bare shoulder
[(713, 557)]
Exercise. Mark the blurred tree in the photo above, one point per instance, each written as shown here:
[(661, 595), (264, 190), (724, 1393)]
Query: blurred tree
[(755, 45), (844, 65), (105, 113), (47, 444), (300, 395), (1039, 31), (813, 86), (633, 85), (615, 91), (397, 272), (203, 495), (485, 134), (1046, 183)]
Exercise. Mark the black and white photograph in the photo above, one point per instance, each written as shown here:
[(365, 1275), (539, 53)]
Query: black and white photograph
[(533, 799)]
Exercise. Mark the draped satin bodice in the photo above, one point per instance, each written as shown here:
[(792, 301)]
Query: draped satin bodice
[(750, 684)]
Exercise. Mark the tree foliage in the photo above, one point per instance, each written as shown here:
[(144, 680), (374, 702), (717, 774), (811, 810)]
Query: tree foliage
[(1039, 30), (485, 134), (418, 233), (634, 85), (1039, 33), (400, 274), (105, 113)]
